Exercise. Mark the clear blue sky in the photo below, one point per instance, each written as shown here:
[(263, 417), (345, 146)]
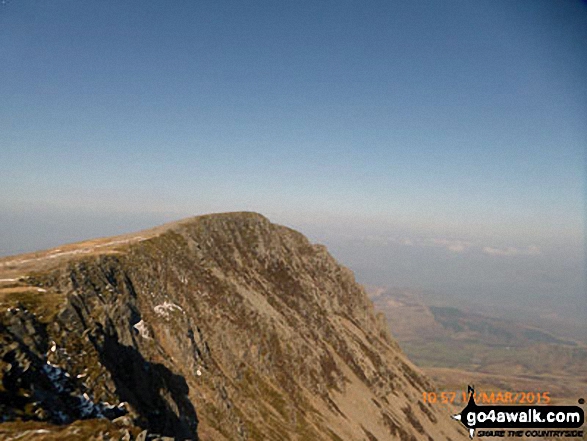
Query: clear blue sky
[(417, 119)]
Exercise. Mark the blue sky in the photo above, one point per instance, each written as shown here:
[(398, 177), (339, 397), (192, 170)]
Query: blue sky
[(419, 121)]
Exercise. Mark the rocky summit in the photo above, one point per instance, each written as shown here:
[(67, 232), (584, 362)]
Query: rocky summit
[(219, 327)]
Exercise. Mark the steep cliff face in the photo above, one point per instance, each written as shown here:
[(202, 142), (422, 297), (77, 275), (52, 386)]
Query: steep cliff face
[(220, 327)]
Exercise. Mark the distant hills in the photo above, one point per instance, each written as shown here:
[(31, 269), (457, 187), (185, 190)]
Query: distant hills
[(456, 346)]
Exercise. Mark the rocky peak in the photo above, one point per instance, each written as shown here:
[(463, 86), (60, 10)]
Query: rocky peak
[(219, 327)]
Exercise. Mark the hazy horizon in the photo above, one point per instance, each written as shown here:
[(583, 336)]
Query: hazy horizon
[(436, 145)]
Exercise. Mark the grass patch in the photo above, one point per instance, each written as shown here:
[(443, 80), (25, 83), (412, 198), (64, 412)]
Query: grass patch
[(44, 304)]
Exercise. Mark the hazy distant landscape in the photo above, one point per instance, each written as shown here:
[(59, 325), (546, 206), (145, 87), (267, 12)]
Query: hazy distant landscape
[(457, 346), (433, 152)]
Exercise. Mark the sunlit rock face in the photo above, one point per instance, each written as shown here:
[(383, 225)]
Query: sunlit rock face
[(220, 327)]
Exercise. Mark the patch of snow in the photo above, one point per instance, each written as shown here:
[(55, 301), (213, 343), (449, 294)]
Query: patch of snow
[(90, 409), (58, 253), (166, 308), (142, 328), (87, 407), (56, 375), (62, 417)]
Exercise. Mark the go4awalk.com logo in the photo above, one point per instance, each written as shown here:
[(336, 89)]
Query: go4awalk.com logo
[(546, 421)]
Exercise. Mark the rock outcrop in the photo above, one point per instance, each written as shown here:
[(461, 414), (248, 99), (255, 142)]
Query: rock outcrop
[(220, 327)]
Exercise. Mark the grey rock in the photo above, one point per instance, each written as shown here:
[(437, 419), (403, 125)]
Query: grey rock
[(253, 332)]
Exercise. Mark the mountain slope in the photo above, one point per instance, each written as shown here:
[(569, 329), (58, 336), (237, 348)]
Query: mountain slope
[(222, 327)]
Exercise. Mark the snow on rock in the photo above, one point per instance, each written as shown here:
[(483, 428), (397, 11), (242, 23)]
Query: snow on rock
[(87, 408), (57, 376), (166, 308), (142, 328)]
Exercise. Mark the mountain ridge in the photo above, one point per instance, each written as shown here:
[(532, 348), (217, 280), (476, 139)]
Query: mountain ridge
[(223, 326)]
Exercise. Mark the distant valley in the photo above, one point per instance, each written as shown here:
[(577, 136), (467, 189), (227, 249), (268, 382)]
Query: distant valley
[(457, 347)]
